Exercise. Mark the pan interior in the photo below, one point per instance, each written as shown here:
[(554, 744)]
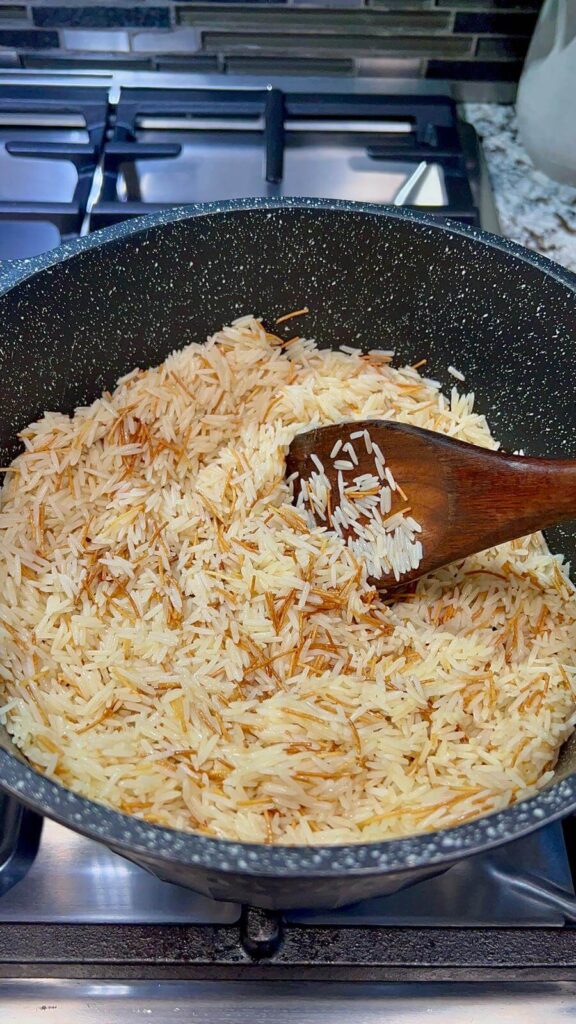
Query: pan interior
[(369, 280)]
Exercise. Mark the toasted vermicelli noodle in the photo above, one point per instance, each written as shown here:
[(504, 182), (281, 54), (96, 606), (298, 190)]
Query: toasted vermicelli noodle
[(181, 643)]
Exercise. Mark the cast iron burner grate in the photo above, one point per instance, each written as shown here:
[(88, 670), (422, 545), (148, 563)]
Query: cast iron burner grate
[(44, 124), (77, 158), (228, 143)]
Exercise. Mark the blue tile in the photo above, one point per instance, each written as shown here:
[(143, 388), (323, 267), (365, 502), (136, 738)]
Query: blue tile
[(182, 40), (499, 24), (107, 40), (474, 70), (492, 5), (243, 3), (9, 59), (102, 17), (28, 39)]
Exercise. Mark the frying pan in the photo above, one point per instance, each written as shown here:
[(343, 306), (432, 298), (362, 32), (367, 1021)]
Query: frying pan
[(73, 320)]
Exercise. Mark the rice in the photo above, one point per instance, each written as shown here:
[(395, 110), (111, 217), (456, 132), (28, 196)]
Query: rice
[(180, 642), (387, 547)]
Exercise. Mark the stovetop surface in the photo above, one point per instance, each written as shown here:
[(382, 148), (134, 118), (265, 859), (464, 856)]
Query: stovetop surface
[(82, 156), (73, 879), (90, 935), (286, 1002)]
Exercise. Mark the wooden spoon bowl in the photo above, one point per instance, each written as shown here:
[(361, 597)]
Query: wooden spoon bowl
[(465, 498)]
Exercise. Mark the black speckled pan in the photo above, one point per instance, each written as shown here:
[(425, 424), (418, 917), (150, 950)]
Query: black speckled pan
[(74, 320)]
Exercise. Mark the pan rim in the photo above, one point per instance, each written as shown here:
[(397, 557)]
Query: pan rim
[(19, 270), (136, 837)]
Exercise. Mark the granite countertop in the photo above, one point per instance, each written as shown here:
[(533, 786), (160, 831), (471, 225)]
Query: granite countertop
[(533, 210)]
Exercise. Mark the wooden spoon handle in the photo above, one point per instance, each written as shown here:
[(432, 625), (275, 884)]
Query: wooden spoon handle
[(501, 497)]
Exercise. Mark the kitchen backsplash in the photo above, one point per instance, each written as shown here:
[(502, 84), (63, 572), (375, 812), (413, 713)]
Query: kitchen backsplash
[(474, 44)]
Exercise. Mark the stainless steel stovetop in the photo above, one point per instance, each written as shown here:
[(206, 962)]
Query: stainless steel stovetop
[(82, 152), (74, 880), (93, 937), (84, 934)]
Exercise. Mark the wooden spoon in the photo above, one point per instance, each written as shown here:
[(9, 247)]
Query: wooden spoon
[(465, 498)]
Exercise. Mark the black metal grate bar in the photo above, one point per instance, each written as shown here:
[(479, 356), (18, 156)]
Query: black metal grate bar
[(90, 109), (274, 136), (427, 130)]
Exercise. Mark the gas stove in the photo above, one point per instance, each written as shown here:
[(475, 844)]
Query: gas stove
[(90, 935), (79, 154)]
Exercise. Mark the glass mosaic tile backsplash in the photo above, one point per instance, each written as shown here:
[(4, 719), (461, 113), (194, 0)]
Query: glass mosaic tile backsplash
[(459, 41)]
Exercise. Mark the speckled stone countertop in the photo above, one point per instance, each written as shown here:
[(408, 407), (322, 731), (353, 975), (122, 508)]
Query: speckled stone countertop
[(533, 210)]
